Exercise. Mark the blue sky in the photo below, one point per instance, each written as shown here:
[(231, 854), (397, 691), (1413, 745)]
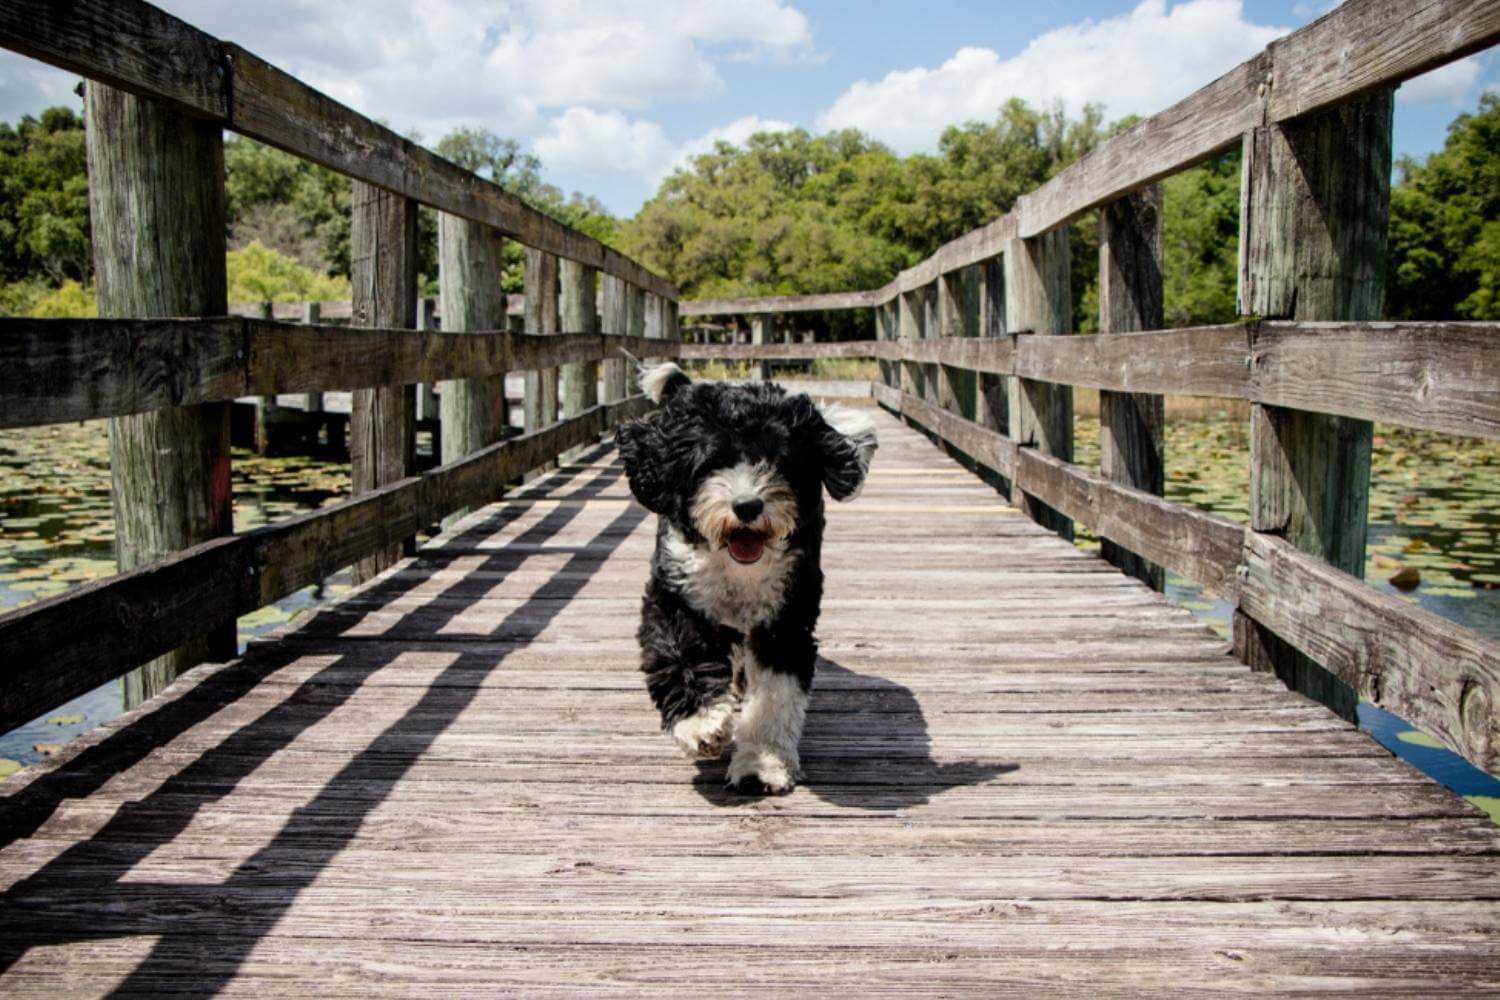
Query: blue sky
[(612, 94)]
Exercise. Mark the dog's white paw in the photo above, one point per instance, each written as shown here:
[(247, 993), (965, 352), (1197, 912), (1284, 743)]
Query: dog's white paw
[(706, 734), (759, 770)]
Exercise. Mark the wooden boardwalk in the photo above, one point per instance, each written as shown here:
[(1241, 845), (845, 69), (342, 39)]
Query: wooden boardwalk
[(1026, 773)]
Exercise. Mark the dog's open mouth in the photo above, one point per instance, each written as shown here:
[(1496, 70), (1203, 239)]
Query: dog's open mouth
[(746, 545)]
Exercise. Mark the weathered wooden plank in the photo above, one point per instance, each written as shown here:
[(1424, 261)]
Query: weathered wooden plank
[(157, 204), (473, 411), (579, 388), (64, 646), (1197, 545), (1038, 300), (133, 46), (1366, 45), (757, 351), (1440, 676), (382, 427), (1315, 196), (1132, 425), (783, 303), (53, 371)]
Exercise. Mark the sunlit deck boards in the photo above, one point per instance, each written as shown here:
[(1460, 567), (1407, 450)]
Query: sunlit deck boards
[(1023, 769)]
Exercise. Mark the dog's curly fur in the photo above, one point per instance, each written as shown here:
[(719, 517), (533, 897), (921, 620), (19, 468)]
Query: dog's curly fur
[(735, 475)]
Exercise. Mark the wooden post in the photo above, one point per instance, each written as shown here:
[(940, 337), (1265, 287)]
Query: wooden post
[(932, 389), (885, 329), (992, 402), (1038, 300), (957, 316), (312, 314), (383, 259), (156, 201), (427, 404), (614, 309), (267, 416), (635, 302), (541, 318), (1132, 425), (472, 410), (1315, 197), (762, 332), (909, 317), (580, 382)]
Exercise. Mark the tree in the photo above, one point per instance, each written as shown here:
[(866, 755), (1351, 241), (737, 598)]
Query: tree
[(1444, 259), (44, 199)]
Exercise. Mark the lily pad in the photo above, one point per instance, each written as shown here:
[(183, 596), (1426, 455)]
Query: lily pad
[(66, 720), (8, 767), (1420, 739)]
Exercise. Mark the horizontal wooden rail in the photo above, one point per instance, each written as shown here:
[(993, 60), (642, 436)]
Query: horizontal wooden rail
[(55, 370), (64, 646), (1435, 376), (1435, 674), (1362, 45), (343, 309), (136, 47), (1200, 546)]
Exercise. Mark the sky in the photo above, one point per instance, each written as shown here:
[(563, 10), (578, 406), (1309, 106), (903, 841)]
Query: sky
[(613, 94)]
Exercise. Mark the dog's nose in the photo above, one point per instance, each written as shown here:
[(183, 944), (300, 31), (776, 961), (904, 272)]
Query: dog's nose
[(749, 508)]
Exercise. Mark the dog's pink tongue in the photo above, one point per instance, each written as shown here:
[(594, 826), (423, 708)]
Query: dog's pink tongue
[(745, 545)]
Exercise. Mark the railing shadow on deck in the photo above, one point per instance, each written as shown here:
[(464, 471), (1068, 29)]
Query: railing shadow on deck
[(900, 777), (173, 909)]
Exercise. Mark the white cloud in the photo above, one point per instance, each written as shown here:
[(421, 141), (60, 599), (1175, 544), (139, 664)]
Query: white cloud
[(1137, 63), (27, 86), (1448, 84), (601, 143), (609, 143)]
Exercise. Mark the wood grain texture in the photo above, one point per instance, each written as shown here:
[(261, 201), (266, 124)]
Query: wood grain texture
[(614, 320), (541, 320), (1038, 300), (157, 204), (132, 46), (67, 645), (1132, 425), (579, 388), (452, 776), (1441, 677), (1315, 200), (470, 256)]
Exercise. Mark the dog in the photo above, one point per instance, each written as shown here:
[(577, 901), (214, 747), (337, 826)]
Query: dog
[(735, 475)]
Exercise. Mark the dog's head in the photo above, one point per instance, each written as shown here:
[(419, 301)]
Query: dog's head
[(741, 467)]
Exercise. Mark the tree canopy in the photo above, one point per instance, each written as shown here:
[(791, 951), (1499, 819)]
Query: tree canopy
[(782, 213)]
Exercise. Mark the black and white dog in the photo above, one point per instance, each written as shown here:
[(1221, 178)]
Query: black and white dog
[(735, 475)]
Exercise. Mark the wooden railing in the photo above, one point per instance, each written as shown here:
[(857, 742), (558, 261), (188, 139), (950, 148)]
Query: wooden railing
[(974, 347), (165, 369), (971, 343)]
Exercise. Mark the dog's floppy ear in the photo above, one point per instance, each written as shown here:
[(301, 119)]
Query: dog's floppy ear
[(847, 444), (660, 382), (646, 451)]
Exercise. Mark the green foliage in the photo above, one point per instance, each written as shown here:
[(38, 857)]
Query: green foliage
[(70, 300), (1445, 225), (260, 274), (287, 204), (44, 199), (1200, 243)]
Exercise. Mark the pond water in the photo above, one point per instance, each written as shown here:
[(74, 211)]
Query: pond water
[(1434, 530), (57, 531), (1434, 509)]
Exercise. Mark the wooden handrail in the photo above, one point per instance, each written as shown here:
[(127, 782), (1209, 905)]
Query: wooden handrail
[(1434, 376), (136, 47), (64, 646), (1312, 68), (1436, 674), (54, 370)]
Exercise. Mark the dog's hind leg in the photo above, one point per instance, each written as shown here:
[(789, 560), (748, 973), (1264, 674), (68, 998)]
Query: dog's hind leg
[(768, 729)]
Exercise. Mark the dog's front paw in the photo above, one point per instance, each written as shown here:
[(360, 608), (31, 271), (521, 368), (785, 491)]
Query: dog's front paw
[(761, 771), (705, 734)]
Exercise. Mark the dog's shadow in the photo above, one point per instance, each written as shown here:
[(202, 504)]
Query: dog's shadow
[(865, 746)]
